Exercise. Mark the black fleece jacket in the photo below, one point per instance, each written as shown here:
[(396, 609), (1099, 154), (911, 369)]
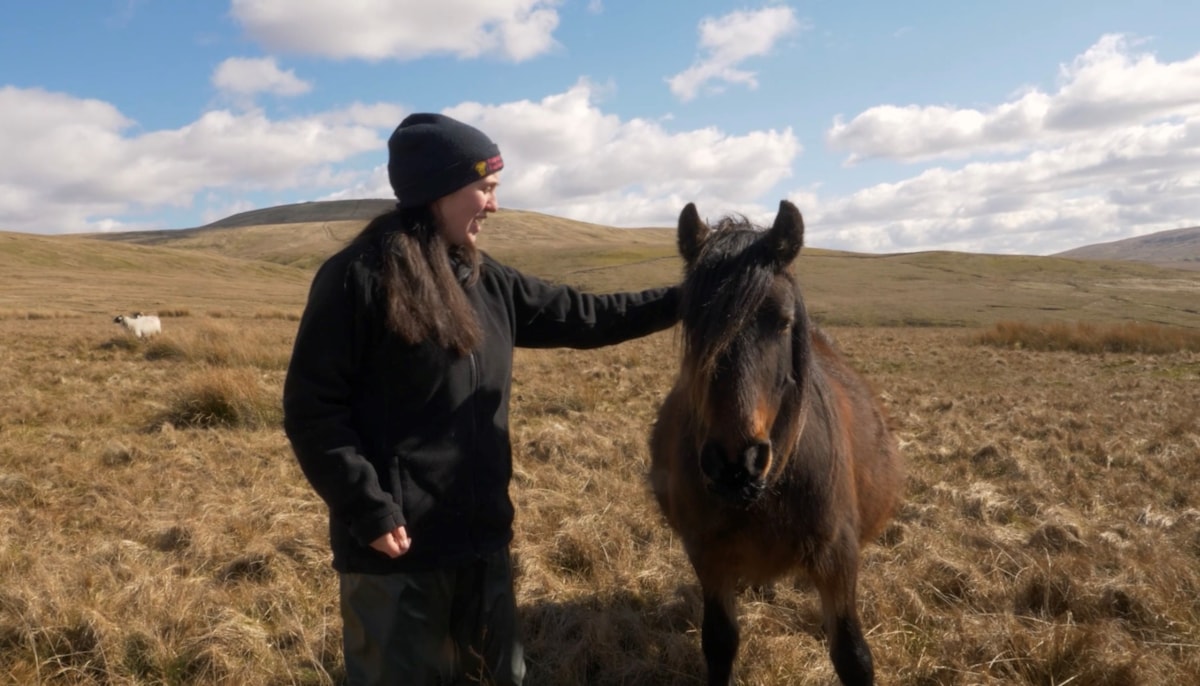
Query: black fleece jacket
[(392, 434)]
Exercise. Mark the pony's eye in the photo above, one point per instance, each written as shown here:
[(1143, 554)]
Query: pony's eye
[(783, 323), (774, 321)]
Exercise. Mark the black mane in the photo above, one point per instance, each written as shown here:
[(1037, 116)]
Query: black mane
[(724, 288)]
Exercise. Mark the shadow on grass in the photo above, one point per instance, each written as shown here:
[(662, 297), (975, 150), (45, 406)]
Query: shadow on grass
[(622, 637)]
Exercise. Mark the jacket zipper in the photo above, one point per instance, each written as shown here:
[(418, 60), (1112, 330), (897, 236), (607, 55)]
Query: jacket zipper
[(474, 451)]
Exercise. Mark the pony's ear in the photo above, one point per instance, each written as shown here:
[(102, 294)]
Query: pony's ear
[(692, 233), (786, 236)]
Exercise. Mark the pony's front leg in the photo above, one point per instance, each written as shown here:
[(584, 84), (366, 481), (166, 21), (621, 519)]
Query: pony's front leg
[(850, 653), (719, 636), (848, 647)]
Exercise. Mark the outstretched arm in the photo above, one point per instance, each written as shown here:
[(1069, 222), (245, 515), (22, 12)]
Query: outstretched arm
[(549, 315)]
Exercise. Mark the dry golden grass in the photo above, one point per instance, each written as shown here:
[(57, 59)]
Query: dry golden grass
[(1050, 534), (81, 276), (154, 528), (1088, 337)]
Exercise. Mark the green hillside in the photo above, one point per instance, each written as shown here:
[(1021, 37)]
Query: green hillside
[(251, 268)]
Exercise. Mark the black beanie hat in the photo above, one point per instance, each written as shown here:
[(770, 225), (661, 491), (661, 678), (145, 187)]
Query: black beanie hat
[(431, 155)]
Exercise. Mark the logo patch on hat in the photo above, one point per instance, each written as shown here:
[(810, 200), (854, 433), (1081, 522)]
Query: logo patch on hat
[(489, 166)]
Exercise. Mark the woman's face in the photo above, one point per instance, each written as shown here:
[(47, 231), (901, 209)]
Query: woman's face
[(460, 214)]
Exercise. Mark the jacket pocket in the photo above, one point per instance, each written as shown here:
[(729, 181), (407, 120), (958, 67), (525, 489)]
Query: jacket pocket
[(428, 484)]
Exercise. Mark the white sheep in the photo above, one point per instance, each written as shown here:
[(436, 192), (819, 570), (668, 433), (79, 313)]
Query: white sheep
[(140, 325)]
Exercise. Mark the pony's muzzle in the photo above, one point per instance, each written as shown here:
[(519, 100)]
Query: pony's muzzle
[(741, 477)]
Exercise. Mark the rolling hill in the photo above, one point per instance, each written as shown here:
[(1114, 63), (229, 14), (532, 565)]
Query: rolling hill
[(1179, 249), (340, 219), (304, 234), (243, 268), (60, 276)]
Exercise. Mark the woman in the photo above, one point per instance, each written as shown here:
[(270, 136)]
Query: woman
[(396, 405)]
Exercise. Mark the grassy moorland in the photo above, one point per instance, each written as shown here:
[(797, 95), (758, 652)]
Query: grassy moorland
[(154, 528), (917, 289)]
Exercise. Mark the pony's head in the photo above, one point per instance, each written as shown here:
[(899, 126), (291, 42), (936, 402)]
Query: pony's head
[(746, 346)]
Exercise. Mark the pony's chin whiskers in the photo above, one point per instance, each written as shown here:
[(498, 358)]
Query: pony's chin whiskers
[(734, 483), (738, 497)]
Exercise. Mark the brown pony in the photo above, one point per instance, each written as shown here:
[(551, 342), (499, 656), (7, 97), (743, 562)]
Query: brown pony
[(770, 455)]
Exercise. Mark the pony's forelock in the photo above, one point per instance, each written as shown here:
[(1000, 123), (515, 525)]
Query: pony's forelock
[(723, 289)]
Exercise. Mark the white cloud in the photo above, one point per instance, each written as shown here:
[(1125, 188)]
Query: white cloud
[(728, 41), (75, 165), (565, 156), (1105, 87), (914, 133), (1114, 151), (244, 76), (1108, 85), (402, 29), (69, 165), (1138, 180)]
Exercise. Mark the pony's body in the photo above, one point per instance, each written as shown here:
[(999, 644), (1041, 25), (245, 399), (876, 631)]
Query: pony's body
[(770, 455)]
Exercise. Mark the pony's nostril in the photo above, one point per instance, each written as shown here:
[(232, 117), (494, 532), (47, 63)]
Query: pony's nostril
[(756, 458), (738, 479)]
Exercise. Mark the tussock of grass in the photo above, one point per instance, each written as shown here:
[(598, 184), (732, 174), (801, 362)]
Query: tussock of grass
[(37, 314), (277, 314), (163, 348), (228, 398), (1087, 337), (124, 343), (223, 343)]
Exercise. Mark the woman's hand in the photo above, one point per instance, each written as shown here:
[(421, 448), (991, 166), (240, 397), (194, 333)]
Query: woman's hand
[(394, 543)]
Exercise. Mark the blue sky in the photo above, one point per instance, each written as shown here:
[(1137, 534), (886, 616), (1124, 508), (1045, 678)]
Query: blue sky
[(1005, 127)]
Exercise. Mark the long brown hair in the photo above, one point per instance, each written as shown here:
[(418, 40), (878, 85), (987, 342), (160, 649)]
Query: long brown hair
[(422, 280)]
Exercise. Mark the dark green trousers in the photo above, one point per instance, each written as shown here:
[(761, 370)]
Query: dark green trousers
[(440, 628)]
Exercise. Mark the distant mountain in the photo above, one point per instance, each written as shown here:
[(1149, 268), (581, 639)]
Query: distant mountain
[(355, 213), (1178, 248), (304, 234), (318, 211)]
